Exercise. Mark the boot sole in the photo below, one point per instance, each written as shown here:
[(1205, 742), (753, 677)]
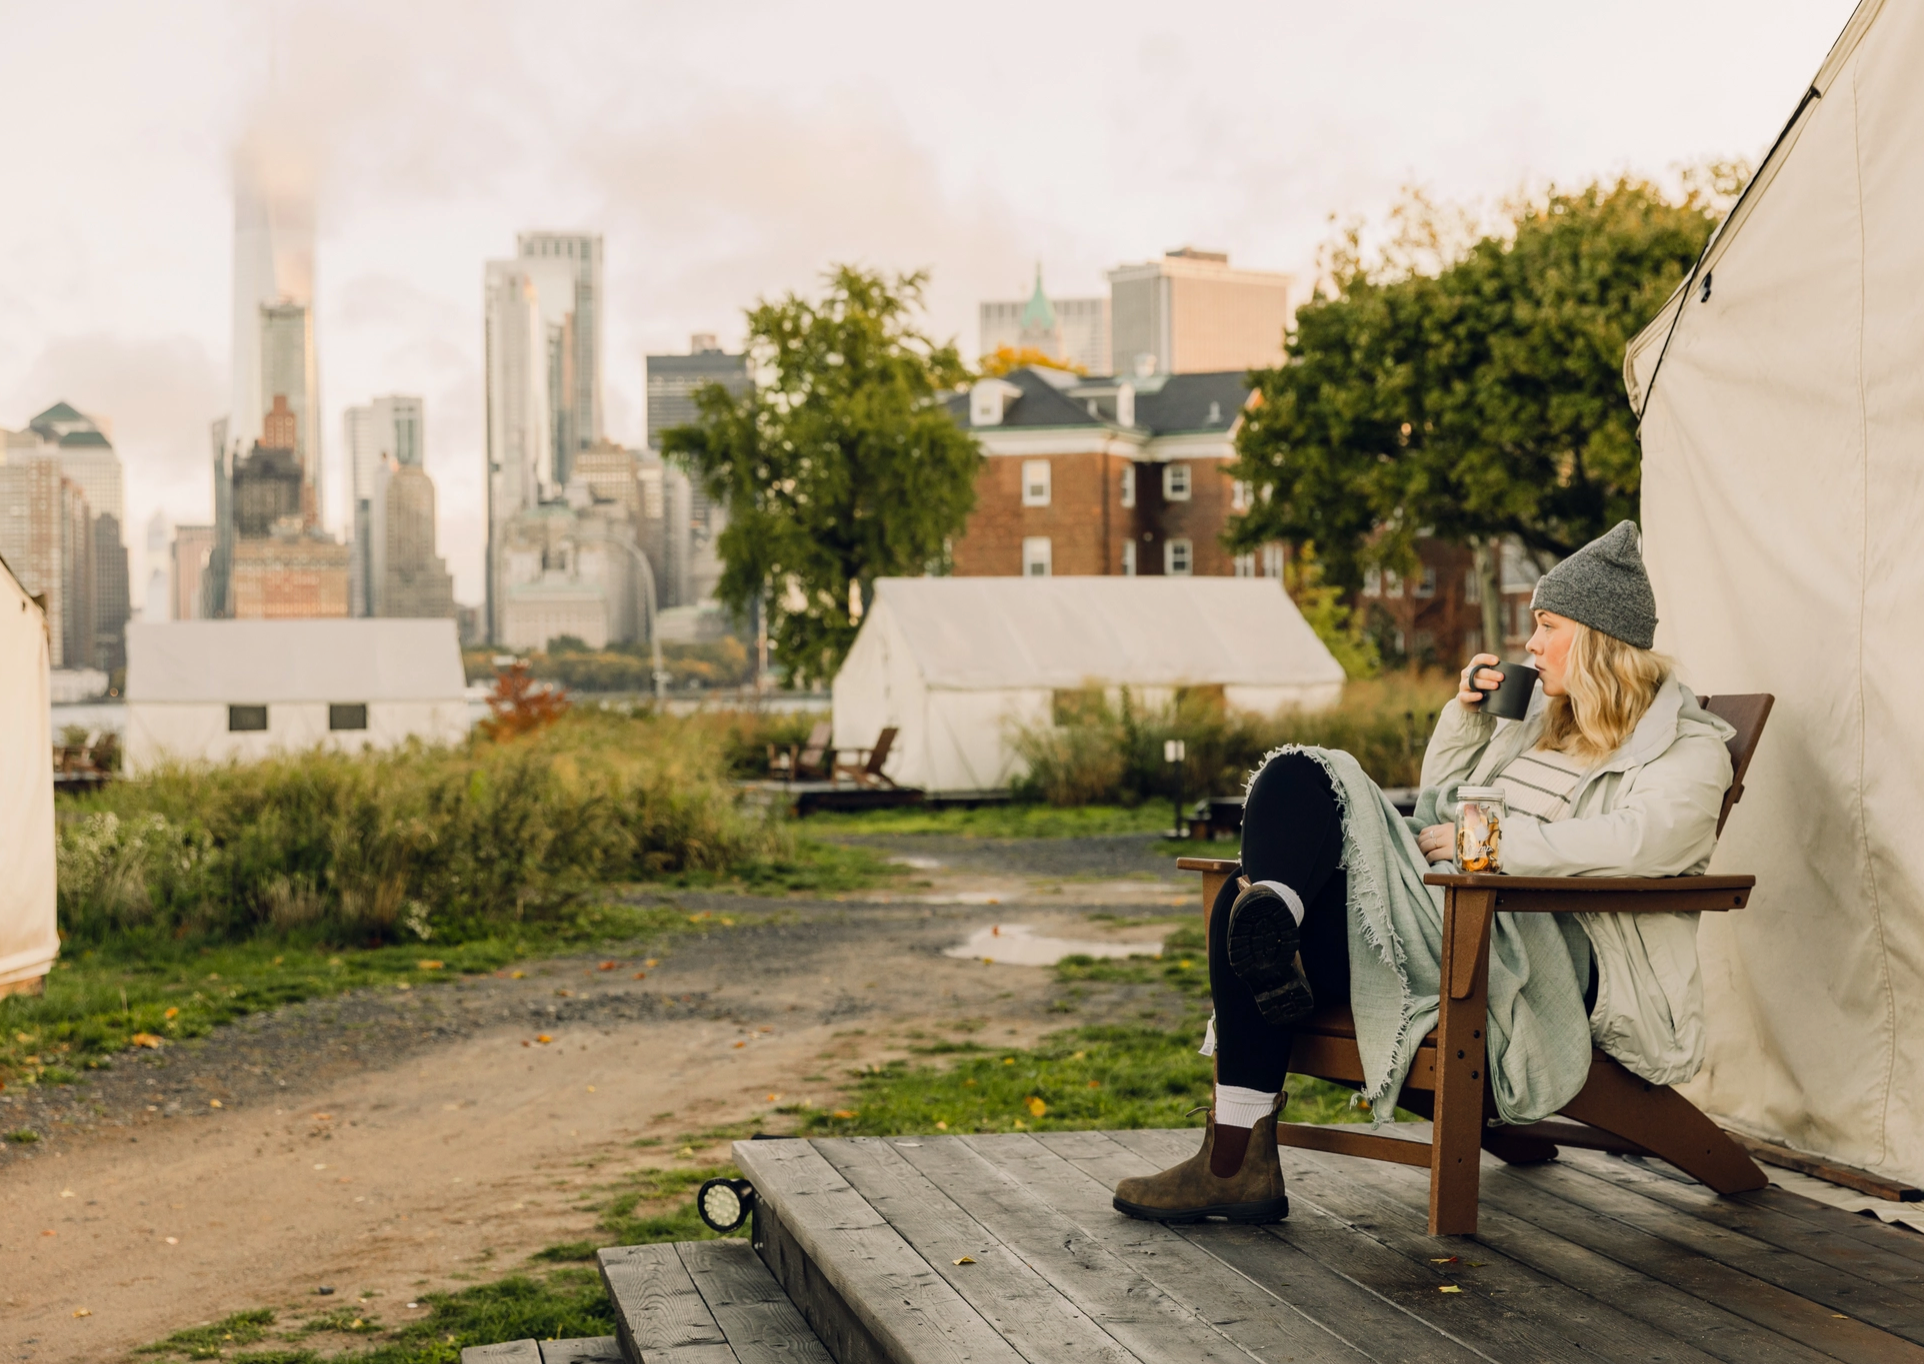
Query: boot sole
[(1263, 941), (1266, 1210)]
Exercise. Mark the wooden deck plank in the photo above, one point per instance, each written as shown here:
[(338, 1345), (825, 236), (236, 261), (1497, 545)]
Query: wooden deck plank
[(1276, 1299), (1642, 1207), (1889, 1259), (1148, 1321), (910, 1311), (1643, 1277), (760, 1322), (1012, 1295), (507, 1352), (1791, 1321), (1510, 1310), (657, 1307), (584, 1350)]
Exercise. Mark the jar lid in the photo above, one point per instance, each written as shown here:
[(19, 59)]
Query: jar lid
[(1480, 793)]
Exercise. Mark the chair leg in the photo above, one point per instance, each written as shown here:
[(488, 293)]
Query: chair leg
[(1514, 1148), (1665, 1123), (1461, 1069)]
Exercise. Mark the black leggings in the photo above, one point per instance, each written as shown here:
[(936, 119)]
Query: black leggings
[(1292, 833)]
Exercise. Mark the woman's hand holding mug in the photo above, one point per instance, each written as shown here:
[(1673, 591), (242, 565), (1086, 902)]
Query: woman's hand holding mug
[(1478, 680)]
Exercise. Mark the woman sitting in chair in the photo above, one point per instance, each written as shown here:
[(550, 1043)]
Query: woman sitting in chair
[(1615, 771)]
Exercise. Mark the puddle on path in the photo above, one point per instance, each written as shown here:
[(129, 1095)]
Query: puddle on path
[(1017, 945)]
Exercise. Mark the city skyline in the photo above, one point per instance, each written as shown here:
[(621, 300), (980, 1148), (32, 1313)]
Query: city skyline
[(711, 191)]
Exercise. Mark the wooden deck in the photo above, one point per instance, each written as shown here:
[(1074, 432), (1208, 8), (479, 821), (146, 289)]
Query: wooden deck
[(1005, 1248)]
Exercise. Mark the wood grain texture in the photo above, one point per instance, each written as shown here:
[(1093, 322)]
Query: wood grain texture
[(1850, 1177), (761, 1324), (1456, 1133), (584, 1350), (657, 1307), (911, 1311), (508, 1352), (1352, 1140)]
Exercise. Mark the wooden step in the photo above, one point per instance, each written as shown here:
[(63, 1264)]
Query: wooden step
[(585, 1350), (704, 1302)]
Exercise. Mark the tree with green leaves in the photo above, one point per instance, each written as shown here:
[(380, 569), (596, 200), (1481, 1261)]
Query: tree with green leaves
[(1469, 392), (840, 468)]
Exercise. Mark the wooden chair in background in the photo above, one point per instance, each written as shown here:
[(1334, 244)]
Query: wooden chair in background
[(1614, 1111), (813, 761), (866, 770)]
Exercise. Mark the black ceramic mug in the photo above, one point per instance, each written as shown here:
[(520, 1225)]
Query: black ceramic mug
[(1511, 701)]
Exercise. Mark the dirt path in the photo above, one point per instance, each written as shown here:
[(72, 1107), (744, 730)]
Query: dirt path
[(390, 1144)]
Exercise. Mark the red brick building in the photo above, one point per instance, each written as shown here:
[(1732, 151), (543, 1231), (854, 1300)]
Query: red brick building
[(1119, 476)]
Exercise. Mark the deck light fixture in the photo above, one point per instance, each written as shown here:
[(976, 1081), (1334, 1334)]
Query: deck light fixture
[(724, 1204)]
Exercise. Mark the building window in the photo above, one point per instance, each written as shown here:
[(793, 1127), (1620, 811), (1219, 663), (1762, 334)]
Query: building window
[(1175, 482), (1128, 485), (1472, 587), (1392, 584), (1037, 559), (1272, 561), (1426, 585), (1238, 495), (1373, 582), (243, 719), (1128, 558), (1035, 482), (1245, 565), (1177, 559), (347, 717)]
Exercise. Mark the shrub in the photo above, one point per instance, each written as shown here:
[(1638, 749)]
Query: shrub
[(408, 843), (1109, 749)]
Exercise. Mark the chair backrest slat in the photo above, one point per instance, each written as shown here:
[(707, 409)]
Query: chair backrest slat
[(817, 741), (880, 753), (1746, 714)]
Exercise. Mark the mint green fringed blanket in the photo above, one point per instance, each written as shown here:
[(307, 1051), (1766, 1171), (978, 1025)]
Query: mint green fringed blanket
[(1539, 1031)]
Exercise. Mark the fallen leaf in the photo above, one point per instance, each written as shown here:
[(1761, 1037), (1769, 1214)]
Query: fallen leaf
[(543, 1039), (591, 1089), (995, 930), (146, 1039), (774, 1098), (1475, 1264), (741, 1044), (23, 1037), (966, 1260), (1008, 1060), (652, 961), (608, 965), (641, 975), (320, 1167), (988, 961), (843, 1113), (323, 1117), (727, 922), (1095, 1084), (941, 1127), (1021, 1125), (1449, 1288), (517, 975), (1035, 1106), (66, 1193), (82, 1312), (50, 1233), (429, 965), (171, 1013), (1444, 1260), (173, 1240)]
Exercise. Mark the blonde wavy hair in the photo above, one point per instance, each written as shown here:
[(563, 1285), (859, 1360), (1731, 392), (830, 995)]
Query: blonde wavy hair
[(1608, 686)]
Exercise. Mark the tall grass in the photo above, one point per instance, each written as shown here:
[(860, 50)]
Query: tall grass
[(1109, 749), (409, 844)]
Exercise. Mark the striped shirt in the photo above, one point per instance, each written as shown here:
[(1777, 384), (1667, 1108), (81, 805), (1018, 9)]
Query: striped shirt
[(1539, 784)]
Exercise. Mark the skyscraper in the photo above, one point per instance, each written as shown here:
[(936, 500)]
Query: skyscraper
[(274, 348), (391, 428), (1191, 313), (1071, 329), (690, 523), (414, 579), (572, 314)]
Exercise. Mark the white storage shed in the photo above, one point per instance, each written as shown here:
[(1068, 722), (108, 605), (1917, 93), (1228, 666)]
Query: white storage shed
[(29, 935), (955, 663), (1782, 394), (214, 690)]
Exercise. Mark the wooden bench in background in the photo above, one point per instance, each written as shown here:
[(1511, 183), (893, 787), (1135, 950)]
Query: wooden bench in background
[(1614, 1111)]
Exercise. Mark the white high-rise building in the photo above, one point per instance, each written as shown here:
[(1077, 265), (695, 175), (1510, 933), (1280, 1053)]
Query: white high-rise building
[(388, 429), (1075, 330), (571, 310), (274, 348)]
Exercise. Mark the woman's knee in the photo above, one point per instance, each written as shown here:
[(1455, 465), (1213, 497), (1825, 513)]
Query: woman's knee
[(1287, 783)]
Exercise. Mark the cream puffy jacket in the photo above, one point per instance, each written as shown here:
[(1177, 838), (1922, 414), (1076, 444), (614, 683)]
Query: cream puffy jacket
[(1650, 809)]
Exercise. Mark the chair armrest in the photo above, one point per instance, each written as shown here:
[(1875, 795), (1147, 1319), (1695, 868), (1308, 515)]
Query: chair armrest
[(1222, 866), (1605, 894)]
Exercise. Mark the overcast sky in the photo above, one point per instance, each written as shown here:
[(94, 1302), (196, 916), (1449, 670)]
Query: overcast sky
[(730, 151)]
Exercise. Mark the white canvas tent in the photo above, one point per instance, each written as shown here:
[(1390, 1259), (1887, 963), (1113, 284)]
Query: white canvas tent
[(1782, 393), (29, 938), (953, 663), (215, 690)]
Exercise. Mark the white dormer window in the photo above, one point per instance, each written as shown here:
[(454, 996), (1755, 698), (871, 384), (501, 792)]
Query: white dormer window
[(990, 400), (1126, 405), (1035, 482), (1238, 495), (1128, 485), (1175, 482)]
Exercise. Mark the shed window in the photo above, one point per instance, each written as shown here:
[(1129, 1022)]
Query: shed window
[(1175, 482), (1035, 482), (353, 716), (244, 718), (1177, 558)]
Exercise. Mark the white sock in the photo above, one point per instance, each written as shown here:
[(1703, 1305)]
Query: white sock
[(1239, 1107), (1289, 897)]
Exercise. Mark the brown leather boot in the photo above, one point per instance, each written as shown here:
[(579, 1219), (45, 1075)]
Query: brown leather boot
[(1190, 1192)]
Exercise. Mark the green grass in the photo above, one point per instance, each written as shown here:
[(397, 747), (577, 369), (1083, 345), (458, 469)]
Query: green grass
[(1014, 820), (98, 1000)]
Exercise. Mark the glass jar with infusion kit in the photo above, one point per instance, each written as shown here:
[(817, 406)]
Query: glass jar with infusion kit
[(1480, 812)]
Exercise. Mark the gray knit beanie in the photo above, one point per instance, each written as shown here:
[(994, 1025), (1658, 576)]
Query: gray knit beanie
[(1603, 585)]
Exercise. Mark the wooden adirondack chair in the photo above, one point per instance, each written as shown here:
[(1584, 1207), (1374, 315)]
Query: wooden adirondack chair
[(866, 770), (811, 762), (1615, 1110)]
